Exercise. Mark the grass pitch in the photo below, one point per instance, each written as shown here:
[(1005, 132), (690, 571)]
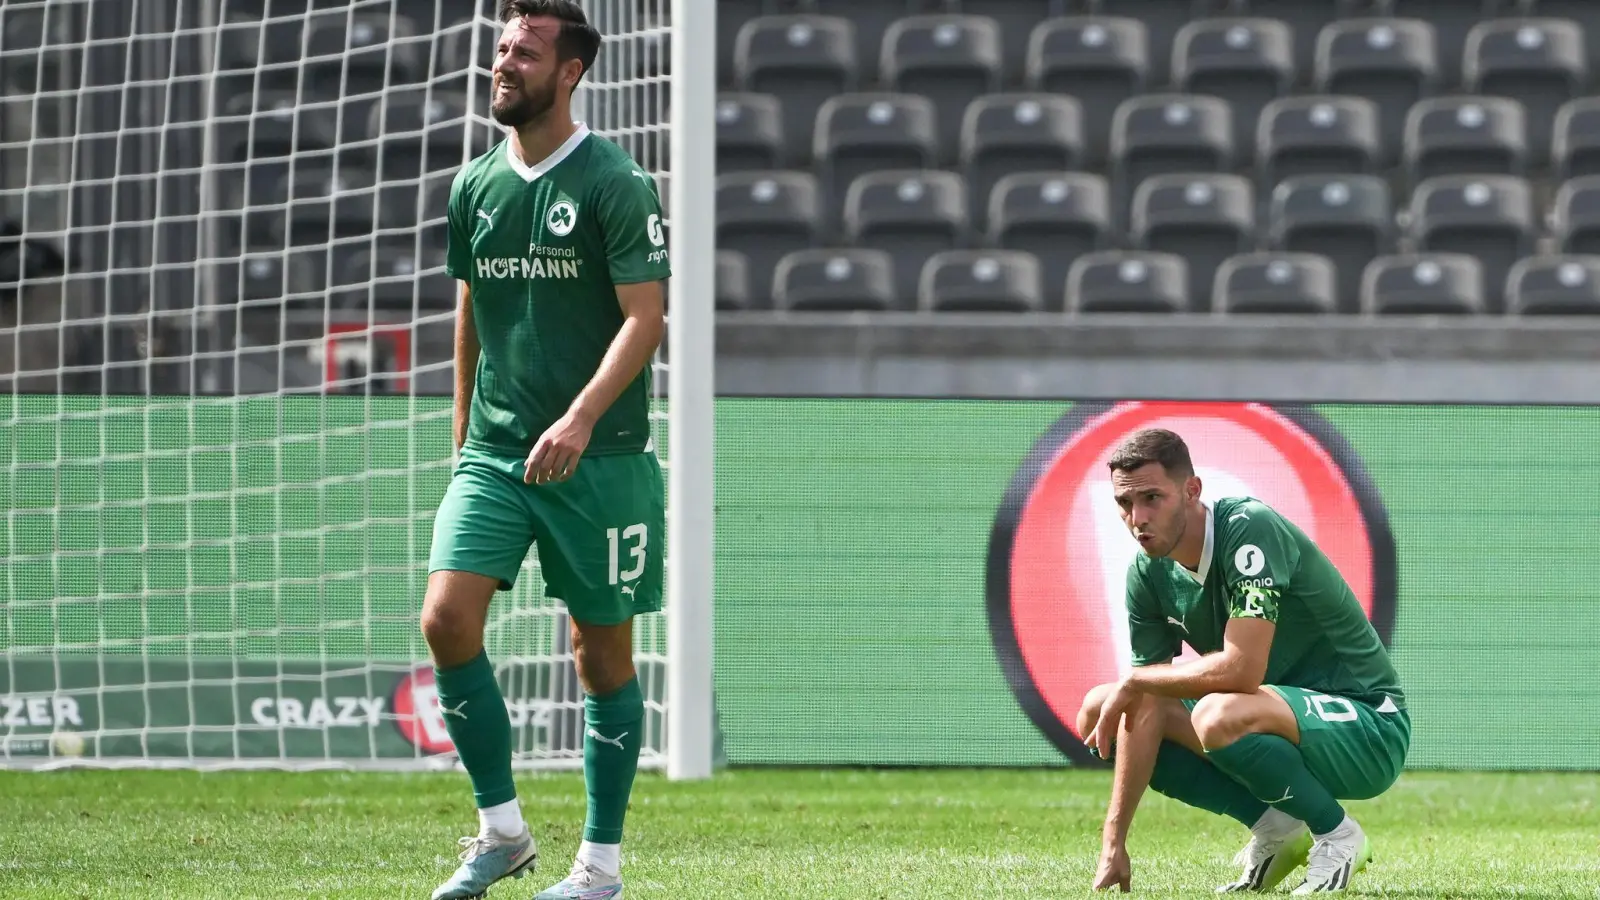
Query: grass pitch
[(751, 834)]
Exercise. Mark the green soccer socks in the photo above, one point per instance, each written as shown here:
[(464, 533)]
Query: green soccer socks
[(614, 732), (1274, 771), (475, 715), (1188, 778)]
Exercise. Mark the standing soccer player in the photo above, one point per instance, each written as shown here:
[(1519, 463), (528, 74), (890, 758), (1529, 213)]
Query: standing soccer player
[(556, 235), (1293, 706)]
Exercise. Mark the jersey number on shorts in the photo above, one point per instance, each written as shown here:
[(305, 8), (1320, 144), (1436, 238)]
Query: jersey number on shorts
[(637, 537), (1330, 709)]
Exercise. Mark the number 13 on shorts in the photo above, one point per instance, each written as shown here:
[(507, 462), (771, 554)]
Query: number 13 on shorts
[(631, 543)]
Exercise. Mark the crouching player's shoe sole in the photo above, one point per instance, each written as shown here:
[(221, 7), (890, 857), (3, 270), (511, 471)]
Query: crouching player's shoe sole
[(486, 860), (585, 883), (1268, 863)]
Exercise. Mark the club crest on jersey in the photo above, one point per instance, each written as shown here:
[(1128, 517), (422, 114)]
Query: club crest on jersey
[(561, 218)]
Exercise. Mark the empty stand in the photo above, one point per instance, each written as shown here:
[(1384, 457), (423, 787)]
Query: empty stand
[(1575, 144), (911, 215), (1465, 136), (836, 281), (1317, 135), (1204, 219), (1160, 134), (1055, 216), (1435, 284), (1007, 133), (1554, 286), (1246, 62), (1305, 22), (1540, 63), (1585, 13), (1348, 219), (980, 281), (1128, 281), (1017, 20), (1489, 219), (395, 279), (1163, 19), (1451, 21), (952, 60), (764, 216), (750, 134), (733, 281), (1283, 283), (1099, 61), (1575, 216), (1392, 62), (801, 60), (861, 133)]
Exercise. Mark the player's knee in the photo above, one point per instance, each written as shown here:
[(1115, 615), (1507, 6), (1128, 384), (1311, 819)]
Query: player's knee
[(603, 656), (452, 621), (1221, 719), (1089, 712)]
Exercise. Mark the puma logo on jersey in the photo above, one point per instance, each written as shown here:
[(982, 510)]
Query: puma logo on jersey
[(1286, 796), (629, 589), (1238, 516), (1179, 623), (641, 176), (488, 216)]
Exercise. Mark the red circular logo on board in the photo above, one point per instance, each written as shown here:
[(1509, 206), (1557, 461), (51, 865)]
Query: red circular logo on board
[(417, 714), (1059, 553)]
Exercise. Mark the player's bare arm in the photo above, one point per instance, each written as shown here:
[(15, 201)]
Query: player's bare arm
[(1238, 668), (555, 456), (1137, 744), (467, 350)]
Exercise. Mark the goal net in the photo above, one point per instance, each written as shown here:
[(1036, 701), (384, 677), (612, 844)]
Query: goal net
[(225, 347)]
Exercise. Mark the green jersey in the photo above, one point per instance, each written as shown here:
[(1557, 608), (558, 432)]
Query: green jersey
[(543, 249), (1257, 564)]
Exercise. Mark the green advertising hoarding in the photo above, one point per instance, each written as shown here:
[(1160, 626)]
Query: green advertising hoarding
[(905, 582)]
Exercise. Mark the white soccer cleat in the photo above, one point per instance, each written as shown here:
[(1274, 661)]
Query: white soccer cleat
[(1267, 861), (486, 860), (1335, 859)]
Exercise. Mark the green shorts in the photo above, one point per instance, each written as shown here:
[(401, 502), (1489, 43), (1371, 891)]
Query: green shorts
[(1356, 751), (599, 533)]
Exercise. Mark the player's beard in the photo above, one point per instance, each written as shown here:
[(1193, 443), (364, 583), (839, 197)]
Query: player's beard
[(1169, 535), (525, 104)]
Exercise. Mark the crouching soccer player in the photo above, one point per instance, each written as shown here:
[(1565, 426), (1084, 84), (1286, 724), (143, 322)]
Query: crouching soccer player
[(1293, 706), (557, 236)]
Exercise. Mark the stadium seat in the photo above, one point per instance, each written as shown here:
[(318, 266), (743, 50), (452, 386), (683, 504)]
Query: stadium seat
[(421, 130), (1540, 63), (1554, 286), (1128, 281), (1006, 133), (368, 50), (952, 60), (836, 281), (1305, 21), (272, 47), (1202, 218), (801, 60), (1247, 62), (750, 133), (911, 215), (273, 277), (1464, 136), (731, 18), (861, 133), (733, 281), (1423, 284), (1392, 62), (1056, 216), (765, 216), (1489, 218), (1099, 61), (1299, 283), (1348, 219), (1017, 20), (1575, 145), (871, 20), (1317, 135), (980, 281), (1451, 21), (1584, 12), (1159, 134), (1162, 20), (1575, 216), (274, 124), (395, 279)]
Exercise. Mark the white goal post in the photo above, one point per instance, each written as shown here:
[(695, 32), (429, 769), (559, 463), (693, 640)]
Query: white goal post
[(224, 374)]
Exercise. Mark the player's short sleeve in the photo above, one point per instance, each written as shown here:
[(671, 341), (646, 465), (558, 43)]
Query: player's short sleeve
[(1153, 640), (630, 219), (458, 254), (1262, 556)]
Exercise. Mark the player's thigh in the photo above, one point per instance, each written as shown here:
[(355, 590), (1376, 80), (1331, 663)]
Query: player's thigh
[(1222, 718), (484, 524), (1354, 750), (600, 538)]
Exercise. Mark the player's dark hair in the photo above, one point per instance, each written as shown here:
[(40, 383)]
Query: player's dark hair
[(1153, 445), (577, 40)]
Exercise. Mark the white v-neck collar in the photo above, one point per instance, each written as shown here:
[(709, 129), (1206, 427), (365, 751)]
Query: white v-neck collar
[(531, 173), (1205, 551)]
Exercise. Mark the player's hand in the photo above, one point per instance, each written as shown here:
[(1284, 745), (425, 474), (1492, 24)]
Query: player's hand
[(1115, 870), (1122, 701), (555, 455)]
